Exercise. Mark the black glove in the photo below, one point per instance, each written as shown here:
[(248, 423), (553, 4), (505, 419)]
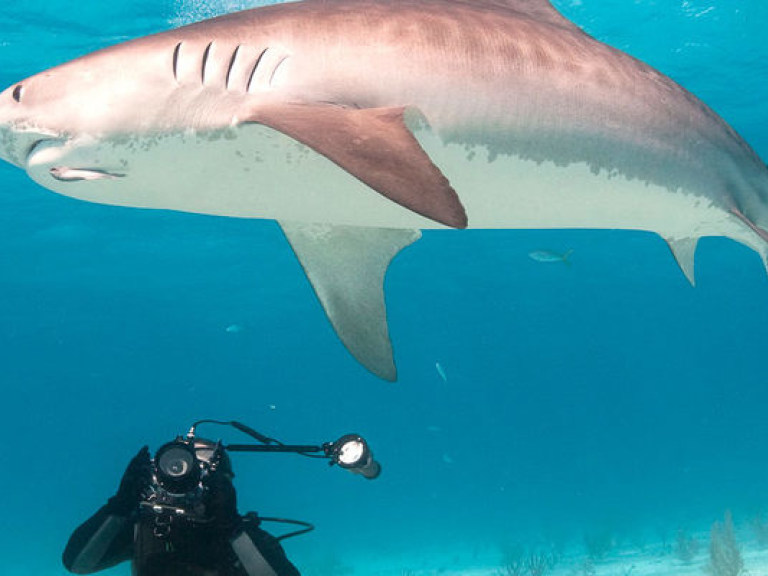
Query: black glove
[(221, 502), (135, 481)]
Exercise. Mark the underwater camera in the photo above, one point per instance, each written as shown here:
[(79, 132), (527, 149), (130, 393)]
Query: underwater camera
[(181, 469), (178, 480)]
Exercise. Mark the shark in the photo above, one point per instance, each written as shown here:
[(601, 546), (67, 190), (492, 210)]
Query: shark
[(356, 124)]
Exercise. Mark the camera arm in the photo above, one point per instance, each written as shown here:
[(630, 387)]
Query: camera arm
[(350, 452), (295, 448)]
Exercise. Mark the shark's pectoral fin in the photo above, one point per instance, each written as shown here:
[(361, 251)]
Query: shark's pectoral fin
[(684, 251), (376, 147), (346, 267)]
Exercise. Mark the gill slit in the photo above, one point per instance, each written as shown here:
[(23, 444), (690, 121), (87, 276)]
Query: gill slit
[(274, 70), (206, 58), (232, 65), (176, 61), (255, 67)]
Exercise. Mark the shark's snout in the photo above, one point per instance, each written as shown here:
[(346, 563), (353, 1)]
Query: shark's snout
[(10, 150), (20, 137), (20, 130)]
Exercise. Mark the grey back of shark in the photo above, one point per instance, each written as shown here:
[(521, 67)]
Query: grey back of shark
[(357, 123)]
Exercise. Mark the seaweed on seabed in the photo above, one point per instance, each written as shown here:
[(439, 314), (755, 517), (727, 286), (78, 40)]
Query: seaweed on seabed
[(760, 529), (587, 567), (599, 543), (512, 562), (539, 563), (535, 562), (513, 568), (724, 552), (686, 546)]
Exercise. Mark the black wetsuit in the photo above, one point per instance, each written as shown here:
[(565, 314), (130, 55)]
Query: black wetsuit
[(220, 543), (108, 538)]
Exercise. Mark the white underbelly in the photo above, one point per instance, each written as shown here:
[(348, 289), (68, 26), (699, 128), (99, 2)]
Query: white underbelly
[(255, 172)]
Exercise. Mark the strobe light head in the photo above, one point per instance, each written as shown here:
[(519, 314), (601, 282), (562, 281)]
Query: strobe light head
[(176, 467), (352, 453)]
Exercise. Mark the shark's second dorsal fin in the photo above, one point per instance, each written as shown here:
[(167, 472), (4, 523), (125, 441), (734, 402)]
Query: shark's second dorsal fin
[(684, 251), (346, 267), (540, 10)]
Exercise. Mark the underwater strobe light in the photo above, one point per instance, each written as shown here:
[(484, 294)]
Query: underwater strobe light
[(352, 453)]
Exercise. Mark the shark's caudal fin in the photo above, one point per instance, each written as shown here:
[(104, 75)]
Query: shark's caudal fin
[(376, 147), (346, 267)]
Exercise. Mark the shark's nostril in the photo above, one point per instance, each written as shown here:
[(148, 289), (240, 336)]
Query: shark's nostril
[(17, 92)]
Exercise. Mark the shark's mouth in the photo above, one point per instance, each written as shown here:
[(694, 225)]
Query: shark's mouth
[(32, 147), (45, 151), (17, 145)]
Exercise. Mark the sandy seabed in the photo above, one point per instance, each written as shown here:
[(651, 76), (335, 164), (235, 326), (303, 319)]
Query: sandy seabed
[(651, 560)]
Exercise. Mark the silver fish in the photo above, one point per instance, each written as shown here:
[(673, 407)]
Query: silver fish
[(549, 256)]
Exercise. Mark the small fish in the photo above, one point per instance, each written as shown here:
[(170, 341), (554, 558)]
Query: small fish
[(67, 174), (551, 256), (434, 429), (233, 329), (441, 372), (272, 407)]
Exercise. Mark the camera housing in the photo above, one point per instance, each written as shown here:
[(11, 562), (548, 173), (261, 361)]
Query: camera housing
[(178, 484), (176, 467)]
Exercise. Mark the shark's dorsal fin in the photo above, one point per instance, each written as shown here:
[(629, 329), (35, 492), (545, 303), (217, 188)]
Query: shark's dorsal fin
[(346, 267), (540, 10), (684, 251), (376, 147)]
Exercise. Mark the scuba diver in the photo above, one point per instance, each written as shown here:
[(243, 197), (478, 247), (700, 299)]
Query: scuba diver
[(176, 514)]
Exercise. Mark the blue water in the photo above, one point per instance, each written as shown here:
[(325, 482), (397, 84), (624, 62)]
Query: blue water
[(607, 394)]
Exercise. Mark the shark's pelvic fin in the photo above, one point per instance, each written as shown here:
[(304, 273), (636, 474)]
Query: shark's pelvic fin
[(376, 147), (684, 251), (346, 267)]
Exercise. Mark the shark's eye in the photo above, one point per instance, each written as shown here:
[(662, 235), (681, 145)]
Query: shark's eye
[(17, 92)]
